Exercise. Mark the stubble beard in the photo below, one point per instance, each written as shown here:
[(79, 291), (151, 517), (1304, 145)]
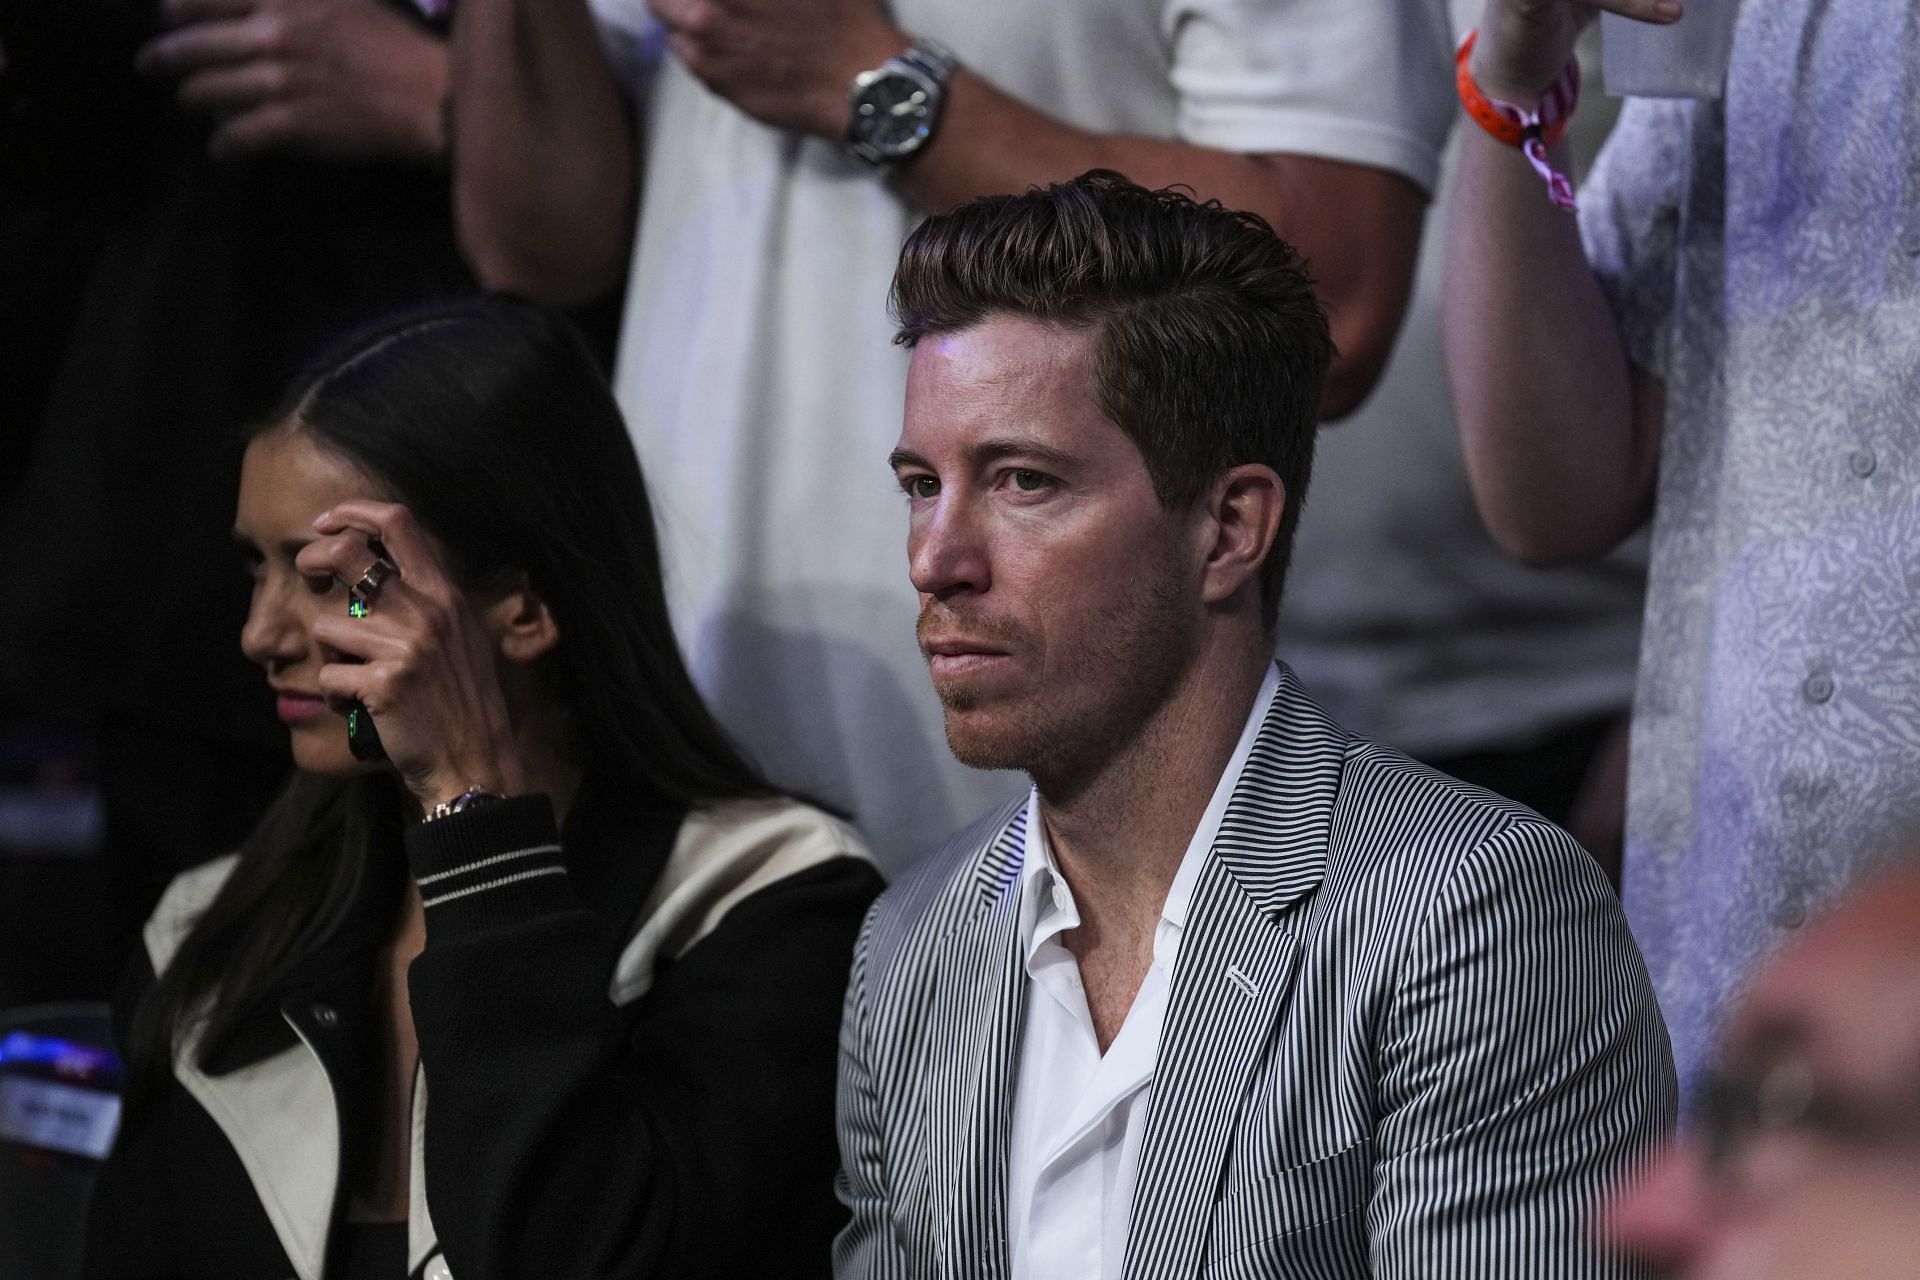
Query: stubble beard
[(1090, 704)]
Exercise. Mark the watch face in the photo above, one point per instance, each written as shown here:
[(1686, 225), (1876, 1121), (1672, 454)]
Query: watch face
[(893, 113)]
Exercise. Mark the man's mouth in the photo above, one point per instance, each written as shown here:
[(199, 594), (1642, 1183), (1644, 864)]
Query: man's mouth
[(953, 657)]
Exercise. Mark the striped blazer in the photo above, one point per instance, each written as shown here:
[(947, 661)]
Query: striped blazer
[(1408, 1035)]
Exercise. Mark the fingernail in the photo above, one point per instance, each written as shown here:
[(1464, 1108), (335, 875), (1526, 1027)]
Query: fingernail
[(320, 521), (1667, 9)]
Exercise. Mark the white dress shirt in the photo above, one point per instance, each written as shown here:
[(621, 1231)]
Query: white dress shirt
[(1079, 1116)]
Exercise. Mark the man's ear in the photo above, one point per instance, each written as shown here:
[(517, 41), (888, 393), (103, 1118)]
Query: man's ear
[(520, 622), (1244, 509)]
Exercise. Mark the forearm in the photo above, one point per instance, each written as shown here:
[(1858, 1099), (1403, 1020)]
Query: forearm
[(545, 186), (520, 1042), (1561, 434), (1358, 227)]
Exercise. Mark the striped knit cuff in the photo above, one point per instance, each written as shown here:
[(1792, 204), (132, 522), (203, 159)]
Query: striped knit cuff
[(495, 864)]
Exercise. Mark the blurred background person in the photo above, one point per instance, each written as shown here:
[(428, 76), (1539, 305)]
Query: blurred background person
[(519, 870), (1724, 339), (1412, 626), (758, 162), (1805, 1157), (213, 186)]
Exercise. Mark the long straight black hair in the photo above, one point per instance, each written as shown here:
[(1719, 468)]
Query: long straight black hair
[(489, 420)]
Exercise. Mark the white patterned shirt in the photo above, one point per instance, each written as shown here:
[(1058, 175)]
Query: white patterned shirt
[(1079, 1116), (1763, 255)]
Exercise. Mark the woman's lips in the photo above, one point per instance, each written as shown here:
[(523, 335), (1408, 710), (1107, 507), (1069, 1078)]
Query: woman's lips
[(294, 707)]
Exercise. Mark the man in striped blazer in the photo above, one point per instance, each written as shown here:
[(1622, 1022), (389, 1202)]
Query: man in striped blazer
[(1232, 992)]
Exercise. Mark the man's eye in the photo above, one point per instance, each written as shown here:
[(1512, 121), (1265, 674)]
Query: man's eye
[(1029, 481), (921, 486)]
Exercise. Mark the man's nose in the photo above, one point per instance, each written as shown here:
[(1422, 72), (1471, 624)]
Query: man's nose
[(1665, 1213), (947, 550)]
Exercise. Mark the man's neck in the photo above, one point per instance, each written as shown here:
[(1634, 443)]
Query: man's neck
[(1119, 835)]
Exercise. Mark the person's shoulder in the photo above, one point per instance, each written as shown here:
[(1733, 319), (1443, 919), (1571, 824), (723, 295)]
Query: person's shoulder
[(185, 900), (729, 851), (1388, 831), (776, 834), (1403, 819), (1414, 857), (1396, 781), (1380, 796)]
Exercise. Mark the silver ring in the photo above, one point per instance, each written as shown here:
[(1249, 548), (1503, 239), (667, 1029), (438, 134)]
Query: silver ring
[(377, 572)]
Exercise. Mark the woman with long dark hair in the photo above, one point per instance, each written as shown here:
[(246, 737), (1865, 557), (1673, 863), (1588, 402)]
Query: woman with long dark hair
[(520, 871)]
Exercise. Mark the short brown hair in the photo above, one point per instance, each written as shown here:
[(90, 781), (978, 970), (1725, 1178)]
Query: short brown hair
[(1211, 348)]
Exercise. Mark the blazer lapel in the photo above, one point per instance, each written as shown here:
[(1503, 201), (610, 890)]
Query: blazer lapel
[(977, 1026), (1237, 961)]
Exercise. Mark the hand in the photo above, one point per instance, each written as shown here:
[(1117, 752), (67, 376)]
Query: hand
[(785, 62), (420, 661), (342, 78), (1524, 44)]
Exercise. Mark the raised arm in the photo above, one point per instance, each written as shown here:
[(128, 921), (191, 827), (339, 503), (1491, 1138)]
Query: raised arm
[(544, 183), (1561, 431), (788, 63), (1357, 226), (688, 1134)]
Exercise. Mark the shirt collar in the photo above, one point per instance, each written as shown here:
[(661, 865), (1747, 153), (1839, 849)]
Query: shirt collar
[(1046, 901)]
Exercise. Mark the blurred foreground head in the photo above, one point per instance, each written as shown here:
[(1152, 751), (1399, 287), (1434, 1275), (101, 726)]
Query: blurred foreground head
[(1805, 1157)]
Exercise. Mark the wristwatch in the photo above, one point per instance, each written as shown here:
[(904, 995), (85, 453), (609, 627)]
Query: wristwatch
[(894, 108), (471, 798)]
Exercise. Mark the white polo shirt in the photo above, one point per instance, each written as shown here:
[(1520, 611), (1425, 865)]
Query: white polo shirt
[(1078, 1116)]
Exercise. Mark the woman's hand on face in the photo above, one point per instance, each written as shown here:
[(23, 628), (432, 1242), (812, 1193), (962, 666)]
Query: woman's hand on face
[(420, 661), (1523, 45)]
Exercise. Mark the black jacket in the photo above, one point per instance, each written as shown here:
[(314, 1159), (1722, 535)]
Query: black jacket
[(681, 1128)]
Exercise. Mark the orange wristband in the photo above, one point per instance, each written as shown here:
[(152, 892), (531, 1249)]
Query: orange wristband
[(1533, 131), (1509, 126)]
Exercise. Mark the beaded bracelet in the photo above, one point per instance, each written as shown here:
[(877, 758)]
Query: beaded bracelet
[(1531, 131)]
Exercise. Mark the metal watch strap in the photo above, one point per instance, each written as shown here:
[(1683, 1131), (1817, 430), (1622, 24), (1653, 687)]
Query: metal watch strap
[(936, 60), (471, 798), (924, 58)]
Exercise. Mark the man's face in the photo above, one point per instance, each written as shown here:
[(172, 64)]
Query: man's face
[(1059, 601), (1807, 1159)]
